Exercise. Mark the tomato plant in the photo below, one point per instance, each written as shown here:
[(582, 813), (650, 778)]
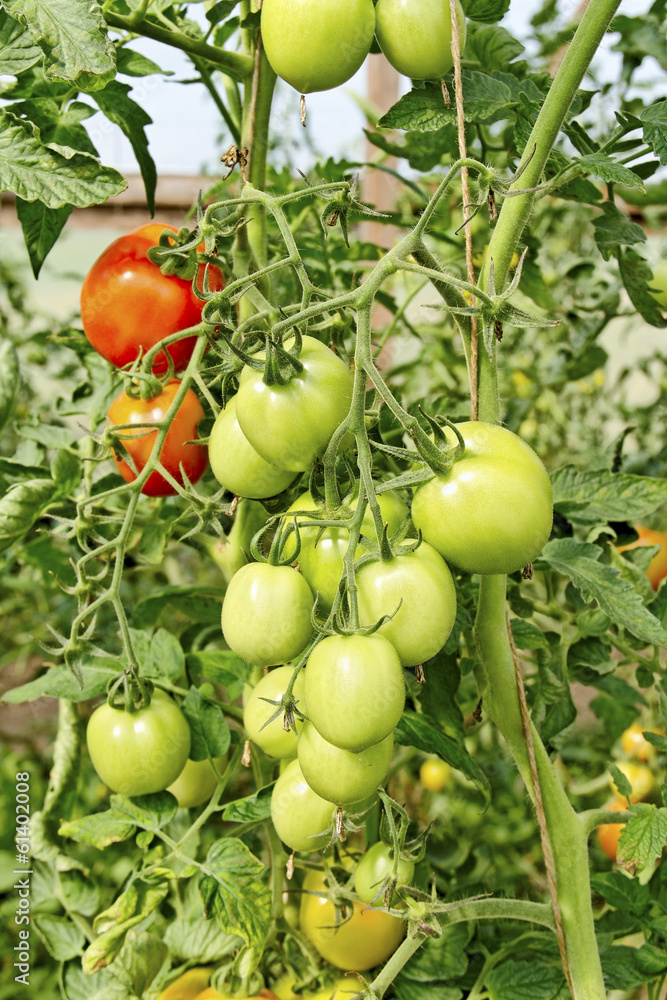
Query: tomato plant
[(491, 512), (235, 463), (417, 589), (266, 613), (416, 37), (261, 705), (128, 305), (354, 690), (375, 870), (302, 414), (316, 46), (139, 752), (640, 777), (366, 939), (180, 456), (659, 283), (302, 819)]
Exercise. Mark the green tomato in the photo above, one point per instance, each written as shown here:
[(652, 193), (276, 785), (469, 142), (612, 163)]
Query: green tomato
[(416, 36), (323, 550), (420, 582), (354, 690), (339, 775), (491, 512), (235, 463), (266, 614), (302, 819), (374, 870), (262, 703), (291, 425), (196, 782), (658, 283), (136, 753), (317, 44)]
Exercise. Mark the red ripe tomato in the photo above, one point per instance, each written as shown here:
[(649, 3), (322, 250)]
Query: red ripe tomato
[(176, 451), (128, 304), (657, 568)]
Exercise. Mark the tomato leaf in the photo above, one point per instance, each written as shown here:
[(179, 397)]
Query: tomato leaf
[(21, 506), (251, 808), (59, 682), (62, 938), (614, 229), (210, 732), (493, 45), (643, 838), (132, 120), (607, 170), (41, 228), (600, 496), (485, 10), (73, 37), (234, 893), (423, 109), (637, 279), (425, 734), (655, 128), (99, 830), (18, 48), (132, 63), (10, 379), (533, 980), (56, 175), (580, 562)]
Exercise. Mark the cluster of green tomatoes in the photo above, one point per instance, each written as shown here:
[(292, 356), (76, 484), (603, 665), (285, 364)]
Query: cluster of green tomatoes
[(319, 44)]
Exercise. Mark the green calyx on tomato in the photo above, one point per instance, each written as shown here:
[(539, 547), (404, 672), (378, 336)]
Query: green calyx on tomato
[(342, 776), (266, 728), (196, 782), (354, 690), (365, 940), (128, 305), (291, 425), (302, 819), (417, 589), (136, 753), (317, 44), (416, 36), (266, 614), (178, 456), (375, 873), (492, 511), (235, 463)]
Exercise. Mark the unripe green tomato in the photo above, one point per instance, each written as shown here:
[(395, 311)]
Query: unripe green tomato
[(416, 36), (266, 614), (302, 819), (136, 753), (272, 737), (196, 782), (658, 283), (291, 425), (323, 551), (317, 44), (373, 870), (420, 582), (354, 690), (235, 463), (341, 776), (491, 511)]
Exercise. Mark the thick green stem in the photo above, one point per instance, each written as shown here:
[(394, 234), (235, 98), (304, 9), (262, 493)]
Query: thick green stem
[(497, 684)]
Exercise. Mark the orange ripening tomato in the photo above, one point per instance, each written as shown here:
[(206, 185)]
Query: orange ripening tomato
[(657, 568), (609, 834), (128, 304), (176, 451)]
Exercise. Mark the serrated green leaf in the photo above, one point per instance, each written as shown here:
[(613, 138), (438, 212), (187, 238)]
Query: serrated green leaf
[(485, 10), (251, 808), (492, 45), (235, 893), (425, 734), (210, 732), (423, 109), (41, 228), (112, 925), (73, 36), (120, 109), (18, 48), (580, 562), (132, 63), (644, 837), (55, 175), (166, 657), (604, 167), (21, 506), (10, 379), (637, 277), (614, 228), (655, 129), (98, 830), (533, 980), (62, 938), (601, 496), (621, 892), (59, 682)]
